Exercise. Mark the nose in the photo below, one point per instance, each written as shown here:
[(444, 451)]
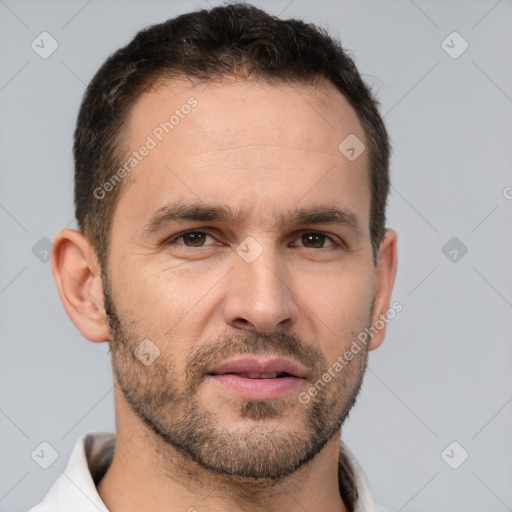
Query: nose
[(259, 295)]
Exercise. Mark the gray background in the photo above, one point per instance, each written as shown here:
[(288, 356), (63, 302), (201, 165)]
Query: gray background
[(444, 371)]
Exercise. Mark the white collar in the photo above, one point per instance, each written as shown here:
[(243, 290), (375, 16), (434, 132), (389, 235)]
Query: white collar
[(75, 488)]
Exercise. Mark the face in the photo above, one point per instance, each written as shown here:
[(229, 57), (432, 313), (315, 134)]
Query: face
[(241, 250)]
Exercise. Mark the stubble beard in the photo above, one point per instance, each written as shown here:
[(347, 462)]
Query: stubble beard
[(167, 403)]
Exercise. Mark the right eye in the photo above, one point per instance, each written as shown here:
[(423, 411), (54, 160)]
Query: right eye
[(190, 239)]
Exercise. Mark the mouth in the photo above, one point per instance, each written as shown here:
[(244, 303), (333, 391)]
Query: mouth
[(258, 378), (257, 375), (259, 367)]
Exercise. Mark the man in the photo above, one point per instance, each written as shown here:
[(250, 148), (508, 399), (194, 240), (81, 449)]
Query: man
[(231, 178)]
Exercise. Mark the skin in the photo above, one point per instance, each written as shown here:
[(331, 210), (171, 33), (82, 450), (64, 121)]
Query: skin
[(262, 150)]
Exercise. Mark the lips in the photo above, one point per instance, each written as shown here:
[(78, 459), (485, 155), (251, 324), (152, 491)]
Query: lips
[(254, 367), (253, 377)]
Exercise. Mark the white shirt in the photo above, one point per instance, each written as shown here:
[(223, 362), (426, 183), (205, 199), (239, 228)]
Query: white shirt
[(75, 489)]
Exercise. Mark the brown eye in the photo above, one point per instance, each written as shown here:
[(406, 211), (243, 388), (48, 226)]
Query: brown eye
[(192, 239), (315, 240)]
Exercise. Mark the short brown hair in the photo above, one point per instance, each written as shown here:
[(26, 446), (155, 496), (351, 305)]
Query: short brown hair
[(205, 45)]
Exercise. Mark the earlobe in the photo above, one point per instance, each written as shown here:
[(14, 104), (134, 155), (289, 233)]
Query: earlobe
[(384, 281), (77, 275)]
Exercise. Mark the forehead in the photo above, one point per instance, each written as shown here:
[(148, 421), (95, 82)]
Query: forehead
[(248, 144), (243, 110)]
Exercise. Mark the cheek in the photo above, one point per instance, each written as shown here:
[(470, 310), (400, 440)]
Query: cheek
[(152, 291), (170, 303), (340, 303), (177, 290)]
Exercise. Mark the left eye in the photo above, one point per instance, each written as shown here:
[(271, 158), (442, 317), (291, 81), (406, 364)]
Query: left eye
[(315, 240)]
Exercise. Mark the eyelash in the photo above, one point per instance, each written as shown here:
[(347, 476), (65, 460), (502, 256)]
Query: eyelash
[(170, 241)]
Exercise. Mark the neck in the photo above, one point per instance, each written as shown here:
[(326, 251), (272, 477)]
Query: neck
[(147, 474)]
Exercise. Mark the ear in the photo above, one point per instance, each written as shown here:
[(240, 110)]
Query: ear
[(77, 274), (384, 281)]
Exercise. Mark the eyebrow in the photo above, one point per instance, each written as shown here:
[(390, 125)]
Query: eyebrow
[(200, 212)]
